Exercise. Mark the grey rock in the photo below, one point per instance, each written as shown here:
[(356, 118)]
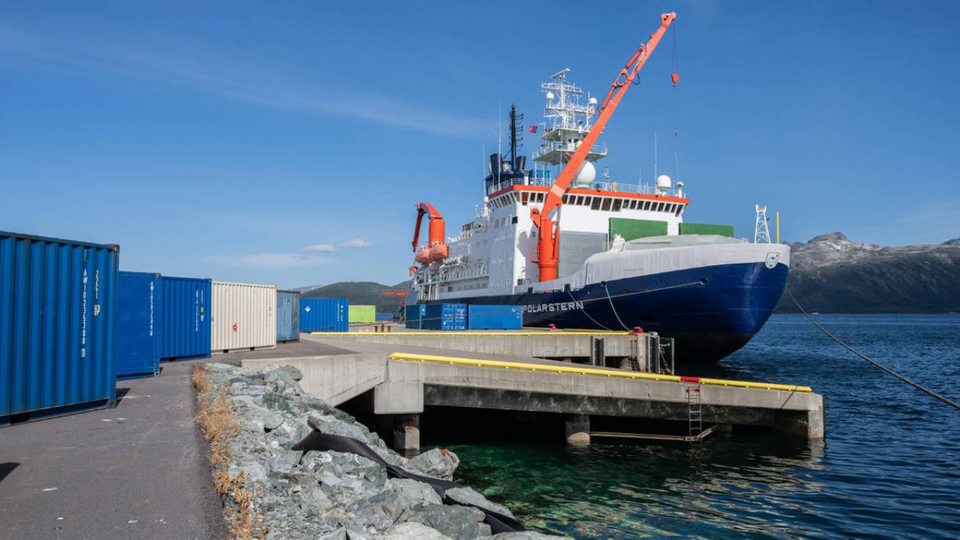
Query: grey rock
[(413, 493), (272, 421), (255, 472), (284, 462), (469, 496), (252, 390), (332, 425), (241, 401), (439, 463), (312, 497), (412, 530), (276, 402), (361, 467), (283, 372), (454, 521), (332, 494), (339, 534), (379, 511)]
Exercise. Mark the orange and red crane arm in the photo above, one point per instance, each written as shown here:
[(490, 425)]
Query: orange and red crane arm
[(549, 233)]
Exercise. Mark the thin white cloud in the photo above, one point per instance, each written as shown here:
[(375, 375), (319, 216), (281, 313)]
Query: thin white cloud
[(272, 261), (319, 248), (240, 81), (356, 243)]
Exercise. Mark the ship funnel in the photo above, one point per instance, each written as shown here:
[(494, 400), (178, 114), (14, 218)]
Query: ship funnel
[(495, 160), (521, 162)]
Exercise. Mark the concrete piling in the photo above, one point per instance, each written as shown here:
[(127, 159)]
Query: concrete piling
[(577, 427)]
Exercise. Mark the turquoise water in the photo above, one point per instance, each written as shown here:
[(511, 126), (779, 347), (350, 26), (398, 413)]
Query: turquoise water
[(889, 467)]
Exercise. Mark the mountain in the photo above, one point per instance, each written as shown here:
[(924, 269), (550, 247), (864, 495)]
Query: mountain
[(833, 274), (363, 293)]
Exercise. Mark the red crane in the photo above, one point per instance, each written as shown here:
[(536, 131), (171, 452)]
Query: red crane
[(435, 250), (548, 243)]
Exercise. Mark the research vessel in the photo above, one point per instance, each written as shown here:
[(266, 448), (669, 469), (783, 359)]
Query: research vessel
[(625, 258)]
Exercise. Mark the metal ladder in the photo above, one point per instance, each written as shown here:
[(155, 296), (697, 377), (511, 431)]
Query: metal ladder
[(694, 413)]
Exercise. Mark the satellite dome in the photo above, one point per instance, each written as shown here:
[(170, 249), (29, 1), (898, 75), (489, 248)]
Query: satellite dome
[(586, 175), (550, 96), (663, 184)]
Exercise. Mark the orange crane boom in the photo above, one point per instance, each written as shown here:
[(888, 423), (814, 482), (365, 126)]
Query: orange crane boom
[(548, 243), (435, 250)]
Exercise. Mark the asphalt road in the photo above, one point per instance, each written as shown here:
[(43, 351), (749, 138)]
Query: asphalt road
[(138, 470)]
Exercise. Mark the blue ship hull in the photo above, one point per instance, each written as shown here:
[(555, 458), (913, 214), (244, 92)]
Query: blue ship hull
[(709, 311)]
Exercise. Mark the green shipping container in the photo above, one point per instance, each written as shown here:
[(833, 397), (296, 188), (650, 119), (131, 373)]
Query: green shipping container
[(362, 314), (630, 229), (703, 228)]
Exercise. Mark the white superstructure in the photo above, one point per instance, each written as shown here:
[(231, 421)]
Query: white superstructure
[(495, 253)]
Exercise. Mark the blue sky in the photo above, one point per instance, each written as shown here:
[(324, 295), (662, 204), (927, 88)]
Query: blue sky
[(288, 142)]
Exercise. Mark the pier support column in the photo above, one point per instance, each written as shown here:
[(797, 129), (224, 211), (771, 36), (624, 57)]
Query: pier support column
[(808, 423), (577, 429), (406, 433), (525, 425)]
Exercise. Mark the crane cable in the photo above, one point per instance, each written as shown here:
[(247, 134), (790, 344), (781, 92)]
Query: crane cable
[(675, 78), (869, 360)]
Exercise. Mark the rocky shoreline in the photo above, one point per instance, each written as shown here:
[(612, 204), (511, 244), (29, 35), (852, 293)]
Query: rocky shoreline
[(327, 494)]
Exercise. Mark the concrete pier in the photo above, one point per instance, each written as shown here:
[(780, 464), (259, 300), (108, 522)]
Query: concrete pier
[(405, 379)]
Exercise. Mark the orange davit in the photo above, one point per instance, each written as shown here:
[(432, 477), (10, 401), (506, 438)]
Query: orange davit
[(435, 250)]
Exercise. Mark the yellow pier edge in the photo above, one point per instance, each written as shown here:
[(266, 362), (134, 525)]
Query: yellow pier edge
[(587, 370)]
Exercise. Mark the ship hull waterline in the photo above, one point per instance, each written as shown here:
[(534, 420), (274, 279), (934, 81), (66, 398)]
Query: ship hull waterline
[(709, 311)]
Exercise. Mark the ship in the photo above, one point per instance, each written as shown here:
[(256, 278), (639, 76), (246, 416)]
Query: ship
[(625, 260)]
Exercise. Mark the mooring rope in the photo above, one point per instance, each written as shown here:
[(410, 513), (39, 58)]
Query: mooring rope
[(584, 311), (871, 361), (612, 307), (609, 297)]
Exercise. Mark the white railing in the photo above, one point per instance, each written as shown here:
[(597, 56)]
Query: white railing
[(564, 146), (603, 185)]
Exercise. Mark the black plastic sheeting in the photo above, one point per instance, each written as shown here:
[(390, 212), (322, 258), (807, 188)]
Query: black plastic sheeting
[(321, 442)]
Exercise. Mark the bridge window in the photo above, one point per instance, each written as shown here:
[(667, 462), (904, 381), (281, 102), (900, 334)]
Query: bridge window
[(606, 205), (594, 203), (616, 205)]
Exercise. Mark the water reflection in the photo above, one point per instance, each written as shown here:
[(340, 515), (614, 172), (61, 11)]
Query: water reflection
[(889, 466), (617, 490)]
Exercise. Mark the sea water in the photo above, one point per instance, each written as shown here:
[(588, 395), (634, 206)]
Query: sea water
[(888, 468)]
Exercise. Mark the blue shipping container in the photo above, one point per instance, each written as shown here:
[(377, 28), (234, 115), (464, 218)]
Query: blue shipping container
[(58, 317), (414, 315), (444, 317), (184, 317), (324, 315), (494, 317), (288, 316), (138, 342)]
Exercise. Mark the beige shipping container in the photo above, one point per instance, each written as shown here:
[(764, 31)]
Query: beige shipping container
[(242, 317)]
